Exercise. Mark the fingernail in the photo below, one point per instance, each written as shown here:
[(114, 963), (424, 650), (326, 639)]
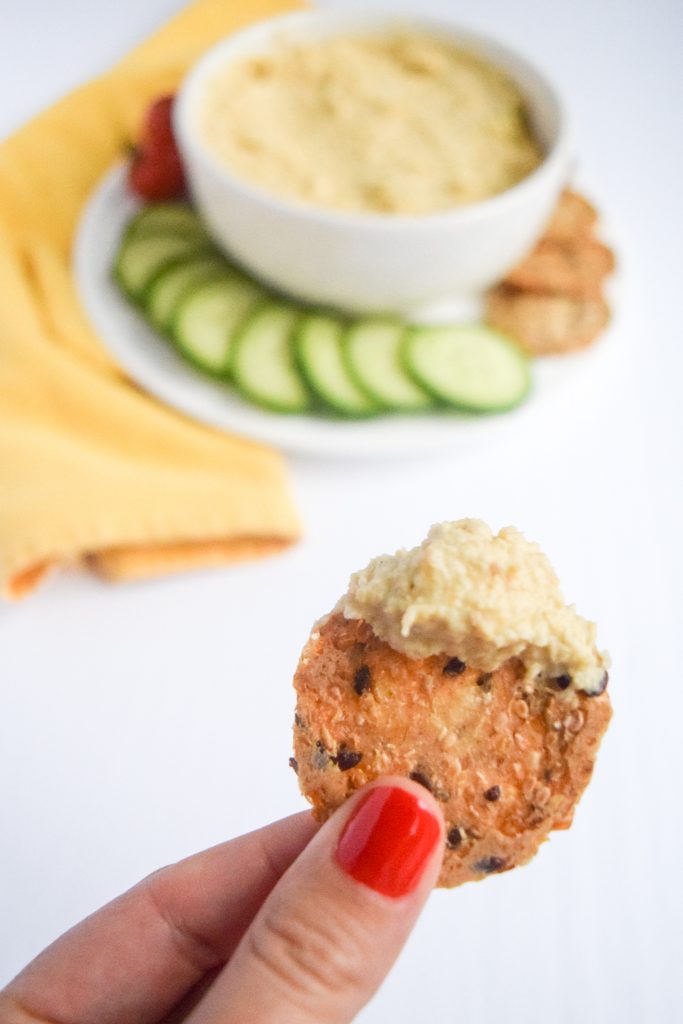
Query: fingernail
[(388, 841)]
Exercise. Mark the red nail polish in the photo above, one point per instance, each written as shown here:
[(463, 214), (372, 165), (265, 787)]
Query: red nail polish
[(388, 840)]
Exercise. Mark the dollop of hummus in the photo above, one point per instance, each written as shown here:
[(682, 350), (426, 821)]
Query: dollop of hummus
[(484, 598), (399, 123)]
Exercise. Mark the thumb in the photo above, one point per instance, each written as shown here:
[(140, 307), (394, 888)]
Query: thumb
[(328, 933)]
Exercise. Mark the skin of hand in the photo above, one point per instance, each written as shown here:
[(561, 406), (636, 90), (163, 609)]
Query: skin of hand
[(294, 922)]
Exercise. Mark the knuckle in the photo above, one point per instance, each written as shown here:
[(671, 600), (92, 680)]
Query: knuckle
[(310, 954), (193, 948)]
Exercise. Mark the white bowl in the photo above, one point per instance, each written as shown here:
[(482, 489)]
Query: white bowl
[(372, 262)]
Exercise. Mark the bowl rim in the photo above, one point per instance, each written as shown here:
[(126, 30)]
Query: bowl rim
[(190, 140)]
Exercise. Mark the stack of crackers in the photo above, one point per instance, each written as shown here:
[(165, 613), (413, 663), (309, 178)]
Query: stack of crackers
[(553, 301)]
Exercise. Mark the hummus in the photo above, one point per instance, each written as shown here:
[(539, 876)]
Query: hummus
[(482, 598), (391, 124)]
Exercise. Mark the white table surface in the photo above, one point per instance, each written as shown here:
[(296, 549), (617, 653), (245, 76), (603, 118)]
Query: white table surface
[(143, 723)]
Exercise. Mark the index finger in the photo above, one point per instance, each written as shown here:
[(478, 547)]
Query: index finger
[(132, 961)]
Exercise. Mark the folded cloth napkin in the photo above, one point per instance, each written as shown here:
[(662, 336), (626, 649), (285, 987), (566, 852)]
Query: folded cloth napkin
[(90, 467)]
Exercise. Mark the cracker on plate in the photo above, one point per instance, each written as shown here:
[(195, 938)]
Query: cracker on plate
[(573, 216), (546, 324), (576, 268)]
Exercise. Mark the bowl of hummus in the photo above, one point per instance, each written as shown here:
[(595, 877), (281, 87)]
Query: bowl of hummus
[(371, 162)]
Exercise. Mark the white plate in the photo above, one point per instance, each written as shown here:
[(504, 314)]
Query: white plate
[(153, 364)]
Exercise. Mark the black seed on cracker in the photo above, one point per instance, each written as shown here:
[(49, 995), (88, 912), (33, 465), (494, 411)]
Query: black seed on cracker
[(347, 759), (421, 779), (361, 680), (492, 794), (294, 764), (484, 681), (454, 838), (489, 864), (454, 667), (561, 682), (602, 686)]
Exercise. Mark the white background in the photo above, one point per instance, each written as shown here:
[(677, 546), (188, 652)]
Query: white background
[(140, 724)]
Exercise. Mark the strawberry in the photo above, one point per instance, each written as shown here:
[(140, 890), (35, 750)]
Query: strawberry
[(156, 171), (158, 126)]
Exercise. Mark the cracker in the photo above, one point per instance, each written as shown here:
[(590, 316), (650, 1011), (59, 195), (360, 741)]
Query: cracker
[(546, 324), (573, 217), (506, 761), (577, 268)]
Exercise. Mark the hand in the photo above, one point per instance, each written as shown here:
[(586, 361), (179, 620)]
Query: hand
[(294, 924)]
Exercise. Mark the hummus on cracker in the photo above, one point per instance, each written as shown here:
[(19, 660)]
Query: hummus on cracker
[(392, 124), (483, 598)]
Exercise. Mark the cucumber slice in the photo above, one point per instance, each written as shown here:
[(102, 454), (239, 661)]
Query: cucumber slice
[(263, 362), (320, 358), (169, 287), (372, 349), (165, 219), (141, 259), (472, 367), (207, 317)]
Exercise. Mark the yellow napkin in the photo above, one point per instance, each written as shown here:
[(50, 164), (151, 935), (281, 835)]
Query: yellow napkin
[(89, 465)]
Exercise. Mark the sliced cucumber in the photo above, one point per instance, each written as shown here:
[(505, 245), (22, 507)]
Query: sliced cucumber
[(170, 286), (320, 358), (165, 219), (372, 349), (472, 368), (288, 359), (208, 315), (140, 259), (263, 362)]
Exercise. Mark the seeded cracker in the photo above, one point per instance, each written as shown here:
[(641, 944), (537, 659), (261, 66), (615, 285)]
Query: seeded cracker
[(576, 268), (573, 218), (507, 751), (546, 324), (552, 302)]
